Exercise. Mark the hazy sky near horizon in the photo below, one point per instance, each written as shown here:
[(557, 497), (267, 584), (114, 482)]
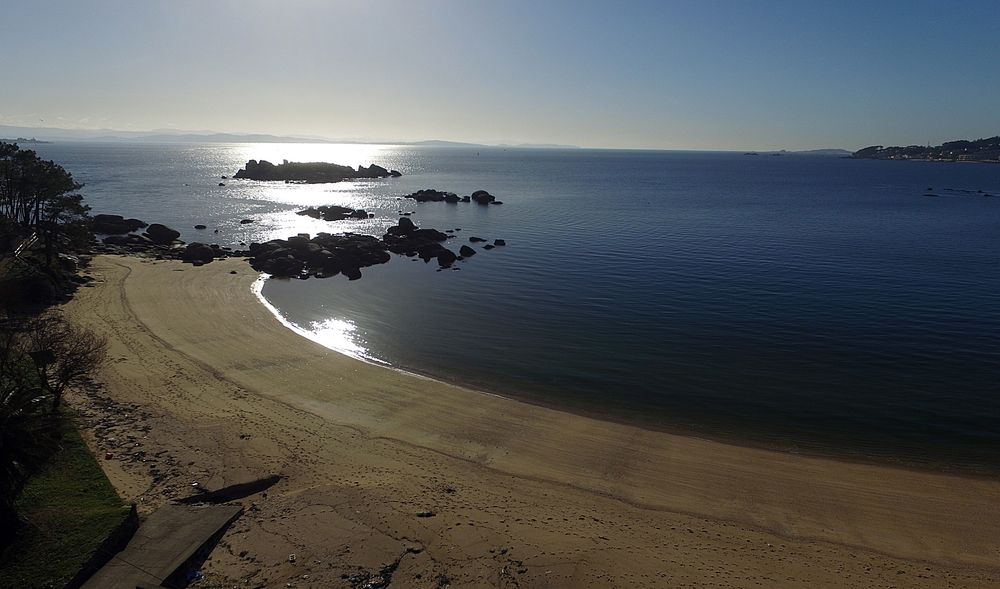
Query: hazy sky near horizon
[(677, 75)]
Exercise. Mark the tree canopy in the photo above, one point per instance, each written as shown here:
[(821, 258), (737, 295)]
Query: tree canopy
[(40, 196)]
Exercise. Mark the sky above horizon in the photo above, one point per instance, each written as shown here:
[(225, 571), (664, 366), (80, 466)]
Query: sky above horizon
[(670, 75)]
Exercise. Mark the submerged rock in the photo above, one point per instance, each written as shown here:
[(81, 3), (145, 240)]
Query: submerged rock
[(431, 195)]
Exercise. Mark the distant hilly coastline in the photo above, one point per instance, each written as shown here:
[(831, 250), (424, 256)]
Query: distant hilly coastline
[(978, 150), (21, 140), (50, 134), (820, 152)]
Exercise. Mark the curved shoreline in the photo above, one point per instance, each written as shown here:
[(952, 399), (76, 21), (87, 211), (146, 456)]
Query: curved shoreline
[(890, 459), (195, 347)]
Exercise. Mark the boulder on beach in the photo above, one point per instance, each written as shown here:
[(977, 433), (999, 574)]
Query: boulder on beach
[(161, 234), (115, 224), (199, 252), (128, 240)]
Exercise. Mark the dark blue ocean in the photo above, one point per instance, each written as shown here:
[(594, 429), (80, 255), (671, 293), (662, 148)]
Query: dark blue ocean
[(803, 302)]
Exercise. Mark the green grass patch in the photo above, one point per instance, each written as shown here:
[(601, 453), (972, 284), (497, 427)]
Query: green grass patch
[(71, 508)]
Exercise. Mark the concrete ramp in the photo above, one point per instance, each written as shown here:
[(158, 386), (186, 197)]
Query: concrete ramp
[(169, 538)]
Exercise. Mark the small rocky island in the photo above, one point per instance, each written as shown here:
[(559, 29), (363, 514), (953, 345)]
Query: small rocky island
[(979, 150), (310, 172)]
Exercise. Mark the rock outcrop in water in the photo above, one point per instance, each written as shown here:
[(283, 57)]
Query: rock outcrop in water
[(310, 172), (432, 195), (325, 255), (321, 256), (300, 256), (335, 213)]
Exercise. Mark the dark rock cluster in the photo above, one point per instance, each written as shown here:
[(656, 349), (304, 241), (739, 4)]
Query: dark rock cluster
[(302, 256), (156, 234), (310, 172), (408, 240), (326, 255), (431, 195), (160, 242), (321, 256), (335, 213)]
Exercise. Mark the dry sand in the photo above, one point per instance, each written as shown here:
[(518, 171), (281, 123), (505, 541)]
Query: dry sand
[(454, 487)]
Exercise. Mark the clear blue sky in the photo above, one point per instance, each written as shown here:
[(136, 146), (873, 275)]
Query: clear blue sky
[(698, 74)]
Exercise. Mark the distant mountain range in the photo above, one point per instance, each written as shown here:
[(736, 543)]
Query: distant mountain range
[(48, 134), (978, 150), (832, 152)]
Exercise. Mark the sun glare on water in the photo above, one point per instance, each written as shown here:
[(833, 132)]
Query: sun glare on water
[(338, 334)]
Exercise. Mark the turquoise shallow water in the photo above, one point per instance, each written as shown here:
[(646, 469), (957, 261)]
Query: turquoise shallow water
[(804, 302)]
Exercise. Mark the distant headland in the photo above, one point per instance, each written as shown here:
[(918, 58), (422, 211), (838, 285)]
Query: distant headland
[(979, 150), (23, 140)]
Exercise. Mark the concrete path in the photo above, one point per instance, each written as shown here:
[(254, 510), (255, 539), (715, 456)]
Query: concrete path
[(168, 538)]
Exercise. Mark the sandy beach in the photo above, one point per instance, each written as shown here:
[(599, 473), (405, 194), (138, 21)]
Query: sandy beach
[(436, 485)]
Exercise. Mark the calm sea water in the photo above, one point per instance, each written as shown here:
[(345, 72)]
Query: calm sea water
[(804, 302)]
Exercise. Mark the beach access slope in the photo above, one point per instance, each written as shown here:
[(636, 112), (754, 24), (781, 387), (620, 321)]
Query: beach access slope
[(428, 484)]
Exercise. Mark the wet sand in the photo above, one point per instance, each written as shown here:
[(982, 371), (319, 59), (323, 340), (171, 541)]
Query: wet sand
[(430, 484)]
